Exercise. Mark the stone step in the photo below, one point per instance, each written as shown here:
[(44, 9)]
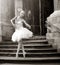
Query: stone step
[(9, 50), (8, 46), (10, 54), (36, 41), (37, 46), (43, 58), (30, 50), (43, 54), (36, 37), (32, 38), (30, 54), (33, 50), (28, 60), (30, 64), (7, 42), (28, 46), (24, 42)]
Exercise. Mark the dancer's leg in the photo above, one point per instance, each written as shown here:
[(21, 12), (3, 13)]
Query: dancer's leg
[(19, 46)]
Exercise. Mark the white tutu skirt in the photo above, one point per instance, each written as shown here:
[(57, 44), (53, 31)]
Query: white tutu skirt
[(21, 34)]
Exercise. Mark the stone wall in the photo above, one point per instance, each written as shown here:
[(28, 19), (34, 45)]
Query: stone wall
[(56, 4), (7, 11)]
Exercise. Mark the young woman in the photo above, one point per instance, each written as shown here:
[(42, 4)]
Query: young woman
[(20, 31)]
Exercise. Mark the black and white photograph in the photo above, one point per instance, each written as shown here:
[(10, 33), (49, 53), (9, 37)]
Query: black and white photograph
[(29, 32)]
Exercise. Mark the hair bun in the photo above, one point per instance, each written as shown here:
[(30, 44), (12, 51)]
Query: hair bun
[(19, 9)]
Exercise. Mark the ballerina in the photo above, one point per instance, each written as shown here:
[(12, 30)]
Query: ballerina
[(20, 31)]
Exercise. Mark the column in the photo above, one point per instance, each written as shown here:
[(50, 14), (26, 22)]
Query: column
[(7, 11)]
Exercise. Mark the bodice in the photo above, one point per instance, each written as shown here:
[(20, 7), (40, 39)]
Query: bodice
[(18, 24)]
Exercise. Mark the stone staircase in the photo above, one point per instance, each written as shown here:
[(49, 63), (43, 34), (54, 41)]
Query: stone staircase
[(35, 51)]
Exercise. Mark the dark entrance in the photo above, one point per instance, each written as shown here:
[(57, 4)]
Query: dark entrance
[(37, 7), (47, 7), (33, 6)]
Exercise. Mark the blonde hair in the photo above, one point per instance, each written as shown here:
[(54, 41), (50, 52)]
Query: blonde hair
[(19, 10)]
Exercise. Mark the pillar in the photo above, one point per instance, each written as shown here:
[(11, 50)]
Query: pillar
[(7, 11)]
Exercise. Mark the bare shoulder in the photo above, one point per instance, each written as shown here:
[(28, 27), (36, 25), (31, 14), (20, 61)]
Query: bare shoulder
[(23, 20)]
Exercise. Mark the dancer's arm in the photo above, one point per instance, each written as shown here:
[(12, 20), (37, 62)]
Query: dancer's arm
[(13, 20), (27, 24)]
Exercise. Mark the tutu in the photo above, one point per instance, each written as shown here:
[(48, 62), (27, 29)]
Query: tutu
[(21, 34)]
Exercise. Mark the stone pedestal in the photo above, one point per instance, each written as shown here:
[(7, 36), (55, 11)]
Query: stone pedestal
[(53, 31)]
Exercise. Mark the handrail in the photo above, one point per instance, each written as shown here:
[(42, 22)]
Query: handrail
[(58, 29)]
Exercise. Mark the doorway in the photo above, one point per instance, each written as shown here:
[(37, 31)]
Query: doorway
[(47, 7), (33, 6)]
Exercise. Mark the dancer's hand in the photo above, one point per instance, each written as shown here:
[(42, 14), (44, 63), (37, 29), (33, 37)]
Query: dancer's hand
[(29, 27), (13, 24)]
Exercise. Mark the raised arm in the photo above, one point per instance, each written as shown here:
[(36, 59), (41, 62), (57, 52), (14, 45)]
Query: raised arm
[(27, 24)]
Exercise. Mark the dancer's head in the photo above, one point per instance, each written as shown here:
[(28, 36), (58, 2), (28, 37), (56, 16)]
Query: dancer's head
[(21, 12)]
